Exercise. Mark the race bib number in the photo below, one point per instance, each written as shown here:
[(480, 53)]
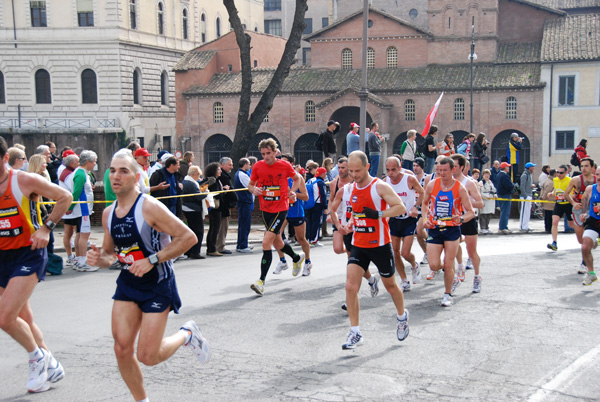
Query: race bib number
[(128, 255), (11, 224), (560, 195), (361, 225), (596, 208), (272, 193)]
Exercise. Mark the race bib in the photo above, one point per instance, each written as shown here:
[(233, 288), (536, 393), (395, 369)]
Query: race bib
[(127, 255), (11, 224), (272, 193), (360, 224)]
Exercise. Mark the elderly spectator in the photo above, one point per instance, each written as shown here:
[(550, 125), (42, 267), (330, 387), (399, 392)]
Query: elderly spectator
[(16, 158), (245, 205), (168, 175), (488, 191), (192, 209), (214, 215), (70, 221), (408, 152), (185, 163), (54, 162), (227, 203), (526, 184)]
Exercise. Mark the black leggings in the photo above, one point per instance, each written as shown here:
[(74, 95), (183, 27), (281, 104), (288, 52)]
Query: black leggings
[(196, 223), (214, 221)]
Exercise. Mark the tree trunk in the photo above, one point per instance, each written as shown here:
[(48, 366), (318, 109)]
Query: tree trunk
[(248, 124)]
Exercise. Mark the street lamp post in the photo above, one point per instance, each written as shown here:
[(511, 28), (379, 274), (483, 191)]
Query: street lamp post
[(472, 57), (364, 92)]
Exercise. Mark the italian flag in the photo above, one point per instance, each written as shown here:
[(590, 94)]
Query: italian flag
[(431, 116)]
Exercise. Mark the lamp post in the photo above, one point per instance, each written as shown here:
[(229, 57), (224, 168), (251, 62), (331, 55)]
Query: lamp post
[(472, 57), (364, 92)]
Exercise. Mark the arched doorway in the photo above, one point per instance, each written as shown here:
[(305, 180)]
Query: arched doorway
[(459, 137), (345, 116), (402, 137), (500, 143), (216, 147), (304, 149), (253, 148)]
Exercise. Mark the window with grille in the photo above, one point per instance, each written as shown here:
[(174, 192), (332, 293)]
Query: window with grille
[(370, 58), (42, 87), (309, 111), (137, 87), (273, 27), (164, 89), (2, 94), (346, 59), (566, 90), (409, 110), (459, 109), (565, 140), (203, 27), (272, 5), (85, 13), (218, 112), (392, 57), (216, 147), (161, 22), (89, 86), (38, 13), (511, 108), (132, 15), (184, 23)]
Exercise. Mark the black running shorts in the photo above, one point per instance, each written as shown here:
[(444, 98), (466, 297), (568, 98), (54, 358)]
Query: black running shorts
[(381, 256)]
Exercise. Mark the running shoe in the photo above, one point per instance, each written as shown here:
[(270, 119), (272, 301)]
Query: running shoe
[(258, 287), (354, 339), (71, 260), (477, 284), (344, 307), (432, 275), (424, 260), (405, 285), (307, 269), (55, 369), (85, 267), (402, 328), (589, 279), (552, 246), (416, 274), (469, 264), (582, 269), (246, 250), (316, 244), (37, 381), (447, 300), (460, 273), (455, 284), (197, 342), (374, 287), (297, 265), (281, 266)]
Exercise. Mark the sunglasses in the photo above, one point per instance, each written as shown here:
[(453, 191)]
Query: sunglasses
[(561, 172)]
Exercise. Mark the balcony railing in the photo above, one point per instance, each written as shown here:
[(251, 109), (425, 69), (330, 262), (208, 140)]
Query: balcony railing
[(73, 124)]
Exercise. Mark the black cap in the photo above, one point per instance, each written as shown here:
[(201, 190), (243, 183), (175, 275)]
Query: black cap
[(330, 122), (420, 162)]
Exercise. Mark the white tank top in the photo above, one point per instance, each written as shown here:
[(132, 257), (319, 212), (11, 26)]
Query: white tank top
[(406, 195), (344, 211), (464, 183)]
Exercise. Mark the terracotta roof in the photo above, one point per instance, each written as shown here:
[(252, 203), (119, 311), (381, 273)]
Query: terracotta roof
[(433, 77), (359, 33), (194, 60), (568, 4), (541, 4), (519, 53), (576, 37), (377, 100)]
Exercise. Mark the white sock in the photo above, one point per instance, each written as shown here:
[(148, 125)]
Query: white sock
[(371, 279), (81, 260), (144, 400), (401, 317), (37, 354), (187, 334), (356, 329), (460, 266)]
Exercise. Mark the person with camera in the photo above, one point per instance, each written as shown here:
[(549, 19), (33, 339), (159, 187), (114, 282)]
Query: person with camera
[(512, 154), (328, 142), (479, 147)]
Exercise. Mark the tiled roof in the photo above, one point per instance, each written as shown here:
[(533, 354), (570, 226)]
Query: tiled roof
[(541, 4), (576, 37), (194, 60), (568, 4), (518, 53), (377, 100), (454, 77)]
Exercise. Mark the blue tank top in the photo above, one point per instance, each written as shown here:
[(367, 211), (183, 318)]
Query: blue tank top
[(296, 209), (134, 239), (594, 211)]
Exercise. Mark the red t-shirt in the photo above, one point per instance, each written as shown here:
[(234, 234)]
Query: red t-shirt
[(273, 181)]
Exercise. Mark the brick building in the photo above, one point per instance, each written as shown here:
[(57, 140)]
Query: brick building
[(409, 66)]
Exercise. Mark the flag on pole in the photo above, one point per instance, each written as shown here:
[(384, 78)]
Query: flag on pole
[(431, 116)]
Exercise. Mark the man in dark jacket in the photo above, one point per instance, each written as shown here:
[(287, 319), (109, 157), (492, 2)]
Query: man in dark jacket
[(229, 200), (169, 174), (504, 188), (328, 142), (245, 205)]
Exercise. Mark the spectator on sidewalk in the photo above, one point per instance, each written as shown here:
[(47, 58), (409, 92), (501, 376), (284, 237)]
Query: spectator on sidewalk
[(16, 158), (192, 209), (83, 191), (352, 139), (543, 176), (328, 141), (546, 195), (185, 163), (374, 145), (169, 175), (504, 188), (245, 206), (488, 191), (315, 214), (70, 220), (407, 151), (228, 202), (430, 152), (214, 215), (527, 185)]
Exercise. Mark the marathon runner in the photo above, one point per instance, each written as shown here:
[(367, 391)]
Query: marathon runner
[(591, 213)]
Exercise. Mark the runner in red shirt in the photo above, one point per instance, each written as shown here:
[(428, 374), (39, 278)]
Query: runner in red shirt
[(269, 181)]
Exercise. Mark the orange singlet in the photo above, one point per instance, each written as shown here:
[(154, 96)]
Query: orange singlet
[(444, 204), (19, 218), (368, 233)]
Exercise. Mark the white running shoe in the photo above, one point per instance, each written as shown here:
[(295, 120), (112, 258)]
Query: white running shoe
[(460, 273), (477, 284), (354, 339), (197, 342), (70, 262), (374, 287), (297, 265), (582, 269), (37, 381), (258, 287), (282, 266), (55, 369), (455, 284), (307, 269), (246, 250), (469, 264), (447, 300), (405, 286), (432, 274), (402, 327), (85, 267), (416, 274), (424, 260)]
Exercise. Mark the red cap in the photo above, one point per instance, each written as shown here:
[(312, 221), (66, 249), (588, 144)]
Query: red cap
[(67, 153), (141, 152), (320, 171), (354, 125), (302, 171), (504, 165)]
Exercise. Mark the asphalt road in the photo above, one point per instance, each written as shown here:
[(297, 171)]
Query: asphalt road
[(530, 335)]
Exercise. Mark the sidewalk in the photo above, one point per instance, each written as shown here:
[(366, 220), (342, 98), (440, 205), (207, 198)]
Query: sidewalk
[(257, 233)]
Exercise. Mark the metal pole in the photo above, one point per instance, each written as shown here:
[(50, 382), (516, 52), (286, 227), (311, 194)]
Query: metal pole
[(364, 93), (471, 56)]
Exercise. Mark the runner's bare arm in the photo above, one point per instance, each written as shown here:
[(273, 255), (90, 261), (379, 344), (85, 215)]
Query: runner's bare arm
[(333, 206), (573, 185), (395, 205), (476, 199), (414, 184), (303, 194), (253, 189), (296, 179), (332, 185)]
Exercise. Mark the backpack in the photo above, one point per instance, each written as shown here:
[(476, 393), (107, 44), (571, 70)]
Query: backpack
[(310, 188), (575, 159), (462, 149), (55, 264), (319, 142)]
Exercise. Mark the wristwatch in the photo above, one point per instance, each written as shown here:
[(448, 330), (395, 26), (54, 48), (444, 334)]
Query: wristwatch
[(380, 214), (49, 224), (153, 258), (462, 220)]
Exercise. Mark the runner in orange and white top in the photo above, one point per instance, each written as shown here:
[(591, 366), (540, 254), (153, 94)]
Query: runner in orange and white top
[(442, 209), (372, 201)]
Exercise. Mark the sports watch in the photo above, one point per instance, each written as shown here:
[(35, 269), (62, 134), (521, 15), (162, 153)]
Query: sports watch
[(49, 224), (153, 258)]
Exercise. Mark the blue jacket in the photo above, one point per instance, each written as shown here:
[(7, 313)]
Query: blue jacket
[(242, 196), (504, 186)]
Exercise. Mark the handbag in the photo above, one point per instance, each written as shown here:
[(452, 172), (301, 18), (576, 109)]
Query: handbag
[(484, 159), (55, 264)]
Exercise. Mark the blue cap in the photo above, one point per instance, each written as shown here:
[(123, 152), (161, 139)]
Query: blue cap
[(529, 164), (161, 153)]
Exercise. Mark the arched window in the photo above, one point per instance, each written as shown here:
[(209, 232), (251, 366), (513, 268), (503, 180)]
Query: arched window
[(164, 89), (309, 111), (89, 86), (203, 27), (216, 147), (43, 92), (161, 22), (132, 16), (217, 112), (392, 57), (346, 59), (459, 109), (511, 108), (409, 110), (304, 149), (137, 87), (184, 23), (370, 57), (2, 93), (253, 148), (218, 27)]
